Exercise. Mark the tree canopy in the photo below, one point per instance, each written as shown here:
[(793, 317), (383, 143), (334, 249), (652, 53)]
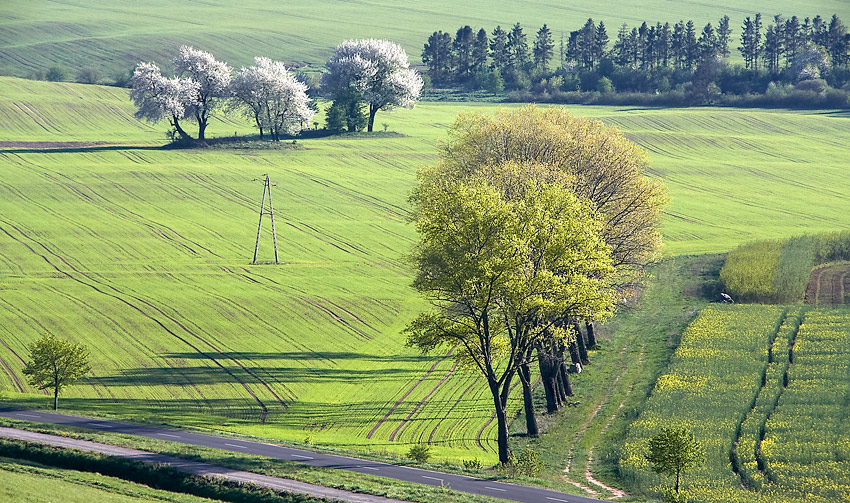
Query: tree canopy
[(378, 70), (55, 364), (673, 451), (503, 253)]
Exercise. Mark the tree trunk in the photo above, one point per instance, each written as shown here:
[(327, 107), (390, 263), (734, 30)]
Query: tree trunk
[(582, 349), (56, 398), (565, 380), (677, 481), (501, 424), (591, 335), (574, 356), (202, 126), (547, 377), (372, 111), (183, 134), (528, 401)]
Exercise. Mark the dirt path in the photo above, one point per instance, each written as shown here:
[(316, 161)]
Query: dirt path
[(195, 467), (829, 285)]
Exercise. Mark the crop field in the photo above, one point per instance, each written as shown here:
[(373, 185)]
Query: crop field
[(764, 388), (116, 35), (143, 254)]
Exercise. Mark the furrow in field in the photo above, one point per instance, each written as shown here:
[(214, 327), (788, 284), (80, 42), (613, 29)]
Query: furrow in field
[(119, 296), (419, 404), (367, 199), (449, 411), (406, 394)]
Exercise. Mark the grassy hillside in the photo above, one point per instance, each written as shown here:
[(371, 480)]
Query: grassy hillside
[(116, 35), (143, 254)]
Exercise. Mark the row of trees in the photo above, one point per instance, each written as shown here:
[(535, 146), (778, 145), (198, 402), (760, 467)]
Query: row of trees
[(473, 59), (361, 73), (532, 220)]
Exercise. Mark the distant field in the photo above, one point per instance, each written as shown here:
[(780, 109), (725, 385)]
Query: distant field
[(764, 387), (118, 34), (143, 254)]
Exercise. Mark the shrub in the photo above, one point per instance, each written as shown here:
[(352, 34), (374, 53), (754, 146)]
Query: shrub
[(528, 463), (88, 75), (56, 74), (419, 453), (472, 464)]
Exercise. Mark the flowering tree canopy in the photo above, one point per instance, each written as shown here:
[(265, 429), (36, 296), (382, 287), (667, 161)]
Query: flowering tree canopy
[(212, 78), (158, 97), (272, 96), (378, 70)]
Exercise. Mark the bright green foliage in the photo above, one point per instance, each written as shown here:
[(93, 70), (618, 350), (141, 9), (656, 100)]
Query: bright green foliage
[(673, 451), (502, 255), (778, 271), (420, 453), (56, 363), (527, 463)]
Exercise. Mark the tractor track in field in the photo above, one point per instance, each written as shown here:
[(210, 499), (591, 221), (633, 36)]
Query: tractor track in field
[(406, 394), (404, 422), (119, 296), (829, 285), (449, 412)]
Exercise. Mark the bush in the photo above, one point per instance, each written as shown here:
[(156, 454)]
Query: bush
[(527, 463), (420, 453), (56, 74), (472, 464), (88, 75)]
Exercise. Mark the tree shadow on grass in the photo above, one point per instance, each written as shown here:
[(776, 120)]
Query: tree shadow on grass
[(74, 150)]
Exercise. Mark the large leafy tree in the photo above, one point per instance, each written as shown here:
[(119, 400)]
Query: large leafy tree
[(673, 451), (211, 77), (593, 161), (273, 97), (376, 69), (502, 254), (55, 364)]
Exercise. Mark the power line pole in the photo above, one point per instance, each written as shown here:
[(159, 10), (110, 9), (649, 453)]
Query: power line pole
[(267, 189)]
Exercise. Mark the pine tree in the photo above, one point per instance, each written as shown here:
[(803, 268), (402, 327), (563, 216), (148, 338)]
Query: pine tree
[(437, 56), (723, 33), (518, 49), (543, 48), (480, 51), (462, 47)]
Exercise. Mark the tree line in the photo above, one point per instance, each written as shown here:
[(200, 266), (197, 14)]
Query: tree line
[(362, 77), (647, 58)]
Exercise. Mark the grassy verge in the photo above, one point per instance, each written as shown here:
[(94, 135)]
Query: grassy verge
[(634, 349), (338, 479)]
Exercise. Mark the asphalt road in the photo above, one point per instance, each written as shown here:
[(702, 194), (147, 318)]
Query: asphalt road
[(462, 483)]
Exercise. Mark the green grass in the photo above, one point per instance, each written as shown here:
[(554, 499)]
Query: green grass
[(26, 482), (117, 35), (143, 254)]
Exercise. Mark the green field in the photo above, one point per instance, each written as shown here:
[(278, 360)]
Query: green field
[(143, 254), (25, 482), (117, 35), (765, 389)]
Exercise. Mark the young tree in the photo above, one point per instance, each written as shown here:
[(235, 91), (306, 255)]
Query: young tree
[(273, 96), (212, 79), (157, 97), (544, 48), (56, 363), (502, 253), (437, 55), (674, 451), (378, 70)]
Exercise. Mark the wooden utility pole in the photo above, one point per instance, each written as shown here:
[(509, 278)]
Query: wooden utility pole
[(267, 189)]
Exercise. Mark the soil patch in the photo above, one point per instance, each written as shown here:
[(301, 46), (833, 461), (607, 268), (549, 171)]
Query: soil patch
[(829, 285)]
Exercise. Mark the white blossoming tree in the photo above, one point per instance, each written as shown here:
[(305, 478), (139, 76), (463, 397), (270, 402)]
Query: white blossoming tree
[(378, 70), (212, 78), (272, 96), (159, 98)]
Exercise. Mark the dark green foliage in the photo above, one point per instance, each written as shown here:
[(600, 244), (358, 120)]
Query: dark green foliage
[(346, 113), (156, 476), (56, 74), (419, 453)]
